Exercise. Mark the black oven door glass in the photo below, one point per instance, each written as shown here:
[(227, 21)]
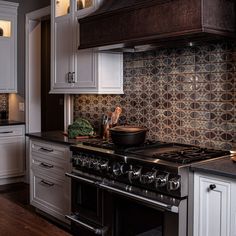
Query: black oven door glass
[(134, 219), (86, 201)]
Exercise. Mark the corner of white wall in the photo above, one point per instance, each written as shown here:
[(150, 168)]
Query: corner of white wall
[(14, 113)]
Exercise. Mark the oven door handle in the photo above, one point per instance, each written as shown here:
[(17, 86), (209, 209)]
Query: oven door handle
[(161, 205), (98, 231), (76, 177)]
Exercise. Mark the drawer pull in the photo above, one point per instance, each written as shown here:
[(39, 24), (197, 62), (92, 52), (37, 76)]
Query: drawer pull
[(46, 149), (47, 166), (6, 132), (49, 184)]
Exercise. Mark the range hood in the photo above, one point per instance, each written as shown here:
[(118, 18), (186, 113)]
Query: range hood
[(145, 24)]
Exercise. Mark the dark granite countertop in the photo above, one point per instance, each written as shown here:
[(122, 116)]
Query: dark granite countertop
[(54, 136), (10, 122), (222, 167)]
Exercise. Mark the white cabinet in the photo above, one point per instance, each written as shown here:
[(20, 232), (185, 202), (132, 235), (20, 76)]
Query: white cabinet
[(49, 188), (8, 47), (12, 152), (80, 71), (214, 206)]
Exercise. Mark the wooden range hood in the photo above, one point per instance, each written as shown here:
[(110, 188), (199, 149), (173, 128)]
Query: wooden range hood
[(132, 23)]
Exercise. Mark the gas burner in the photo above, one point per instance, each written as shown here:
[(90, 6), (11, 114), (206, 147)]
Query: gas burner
[(99, 143), (190, 155)]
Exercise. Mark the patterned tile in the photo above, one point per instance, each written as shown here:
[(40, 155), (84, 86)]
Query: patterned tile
[(185, 95), (4, 103)]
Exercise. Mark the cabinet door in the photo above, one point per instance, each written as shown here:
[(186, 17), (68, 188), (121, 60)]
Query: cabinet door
[(110, 73), (211, 207), (62, 53), (86, 70), (12, 157), (50, 195), (8, 58)]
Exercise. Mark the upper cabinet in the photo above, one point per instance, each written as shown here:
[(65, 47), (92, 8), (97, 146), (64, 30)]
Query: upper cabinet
[(80, 71), (131, 23), (8, 47)]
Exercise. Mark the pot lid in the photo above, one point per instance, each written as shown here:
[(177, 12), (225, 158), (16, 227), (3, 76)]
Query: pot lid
[(128, 129)]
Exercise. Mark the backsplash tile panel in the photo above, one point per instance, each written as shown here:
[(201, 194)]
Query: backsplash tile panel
[(4, 102), (184, 95)]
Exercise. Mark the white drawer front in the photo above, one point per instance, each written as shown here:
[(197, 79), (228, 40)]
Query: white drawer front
[(9, 131), (49, 167), (50, 195), (51, 151)]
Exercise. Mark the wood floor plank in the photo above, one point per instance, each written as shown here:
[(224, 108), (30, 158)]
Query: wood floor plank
[(16, 220)]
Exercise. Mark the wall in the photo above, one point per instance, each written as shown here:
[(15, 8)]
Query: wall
[(25, 7), (184, 95), (3, 102)]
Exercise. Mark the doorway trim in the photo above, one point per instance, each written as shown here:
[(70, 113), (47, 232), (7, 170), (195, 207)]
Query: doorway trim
[(32, 17), (68, 99)]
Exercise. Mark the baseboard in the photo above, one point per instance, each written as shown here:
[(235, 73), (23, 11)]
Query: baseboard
[(11, 180)]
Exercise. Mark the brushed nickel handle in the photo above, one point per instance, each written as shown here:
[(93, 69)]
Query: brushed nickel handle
[(98, 231), (46, 149), (45, 165), (76, 177), (47, 183), (143, 199), (6, 132)]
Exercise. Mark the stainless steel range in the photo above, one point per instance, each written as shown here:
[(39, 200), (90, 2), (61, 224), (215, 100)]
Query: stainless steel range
[(136, 191)]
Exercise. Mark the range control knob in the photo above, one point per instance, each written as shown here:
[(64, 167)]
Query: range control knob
[(77, 161), (173, 184), (134, 174), (125, 168), (161, 180), (103, 165), (116, 169), (93, 163), (148, 178)]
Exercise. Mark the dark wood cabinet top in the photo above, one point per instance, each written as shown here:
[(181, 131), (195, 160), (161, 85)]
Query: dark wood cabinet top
[(137, 22)]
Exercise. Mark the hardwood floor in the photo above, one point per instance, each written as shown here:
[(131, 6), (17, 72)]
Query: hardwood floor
[(17, 217)]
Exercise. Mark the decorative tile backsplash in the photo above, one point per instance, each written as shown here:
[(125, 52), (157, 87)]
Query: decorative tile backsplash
[(185, 95), (4, 102)]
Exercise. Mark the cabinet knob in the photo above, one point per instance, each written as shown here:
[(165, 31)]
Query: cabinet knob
[(212, 186)]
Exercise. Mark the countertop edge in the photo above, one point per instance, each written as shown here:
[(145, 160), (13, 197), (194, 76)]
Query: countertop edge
[(50, 139), (222, 167), (11, 123)]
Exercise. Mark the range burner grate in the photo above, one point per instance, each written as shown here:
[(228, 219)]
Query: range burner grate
[(121, 149), (190, 155)]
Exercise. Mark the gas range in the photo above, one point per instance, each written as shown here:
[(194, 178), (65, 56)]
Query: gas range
[(156, 166)]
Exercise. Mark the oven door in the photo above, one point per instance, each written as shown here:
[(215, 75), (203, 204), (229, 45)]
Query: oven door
[(86, 198), (137, 212), (86, 206)]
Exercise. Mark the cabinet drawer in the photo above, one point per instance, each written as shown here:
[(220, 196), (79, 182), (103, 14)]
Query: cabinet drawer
[(48, 150), (49, 167), (9, 131), (50, 195), (12, 158)]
